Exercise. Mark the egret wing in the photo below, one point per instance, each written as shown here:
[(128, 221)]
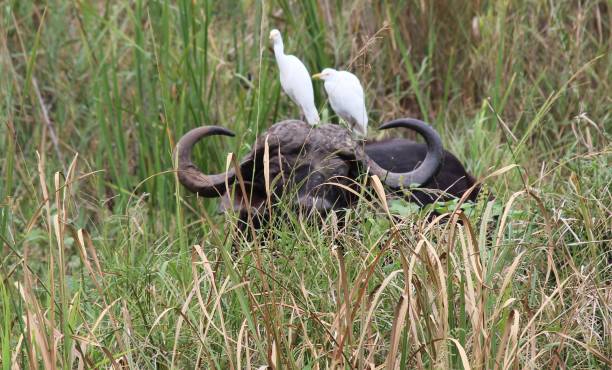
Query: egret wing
[(298, 82), (347, 101), (351, 82)]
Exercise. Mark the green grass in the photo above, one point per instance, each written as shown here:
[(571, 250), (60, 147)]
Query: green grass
[(107, 262)]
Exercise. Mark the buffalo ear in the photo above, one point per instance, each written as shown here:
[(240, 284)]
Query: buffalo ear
[(255, 198)]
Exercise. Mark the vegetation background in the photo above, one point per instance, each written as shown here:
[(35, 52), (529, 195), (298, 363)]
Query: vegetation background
[(107, 262)]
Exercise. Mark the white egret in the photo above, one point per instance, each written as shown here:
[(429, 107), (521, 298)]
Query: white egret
[(346, 98), (295, 79)]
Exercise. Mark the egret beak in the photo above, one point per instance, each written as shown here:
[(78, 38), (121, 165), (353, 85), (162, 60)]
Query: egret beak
[(317, 76)]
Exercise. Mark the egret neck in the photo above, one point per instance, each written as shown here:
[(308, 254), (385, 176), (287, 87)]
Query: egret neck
[(279, 50)]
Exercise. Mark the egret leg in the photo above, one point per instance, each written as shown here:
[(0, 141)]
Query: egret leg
[(356, 135)]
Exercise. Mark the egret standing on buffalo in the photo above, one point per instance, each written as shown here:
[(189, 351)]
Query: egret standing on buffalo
[(295, 79), (346, 98)]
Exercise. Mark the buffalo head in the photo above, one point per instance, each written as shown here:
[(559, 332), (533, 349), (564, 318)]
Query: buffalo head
[(309, 161)]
